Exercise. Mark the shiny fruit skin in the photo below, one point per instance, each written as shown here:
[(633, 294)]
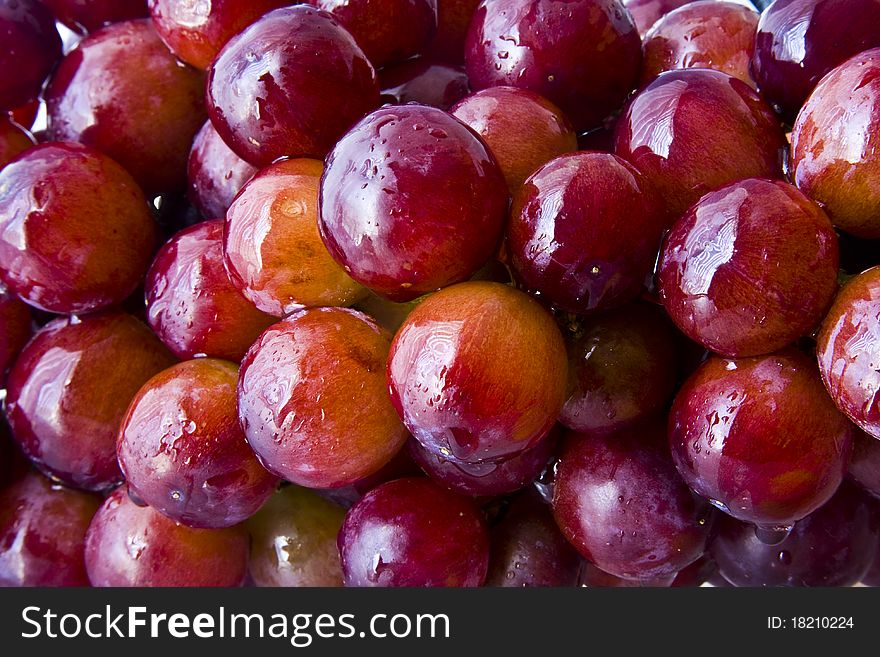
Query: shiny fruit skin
[(84, 16), (647, 12), (799, 41), (423, 81), (293, 540), (136, 546), (30, 46), (411, 201), (718, 131), (622, 369), (289, 85), (183, 452), (834, 145), (272, 247), (621, 504), (450, 372), (69, 389), (522, 130), (750, 268), (582, 55), (440, 538), (121, 92), (848, 350), (42, 533), (313, 401), (191, 304), (76, 234), (216, 174), (760, 437)]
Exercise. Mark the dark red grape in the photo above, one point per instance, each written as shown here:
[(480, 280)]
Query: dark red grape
[(799, 41), (183, 452), (289, 85), (705, 34), (216, 174), (453, 20), (29, 47), (583, 55), (26, 114), (76, 233), (699, 572), (121, 92), (585, 230), (620, 502), (272, 246), (833, 546), (479, 479), (451, 366), (872, 577), (749, 268), (834, 144), (388, 31), (196, 31), (412, 532), (313, 400), (13, 140), (424, 81), (293, 540), (760, 437), (400, 466), (864, 466), (528, 550), (15, 331), (130, 545), (191, 303), (42, 533), (522, 130), (622, 369), (88, 15), (694, 130), (646, 12), (69, 388), (848, 349), (411, 201)]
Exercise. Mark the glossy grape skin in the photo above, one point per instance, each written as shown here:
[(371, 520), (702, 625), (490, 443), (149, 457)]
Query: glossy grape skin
[(647, 12), (799, 41), (121, 92), (56, 251), (26, 114), (749, 268), (289, 85), (42, 533), (13, 140), (272, 247), (413, 533), (696, 574), (215, 173), (15, 331), (582, 55), (528, 550), (584, 231), (192, 305), (411, 201), (388, 31), (622, 369), (313, 400), (84, 16), (719, 131), (70, 387), (293, 540), (29, 46), (706, 34), (183, 452), (760, 437), (864, 466), (136, 546), (847, 350), (620, 502), (833, 546), (423, 81), (453, 20), (449, 372), (401, 465), (834, 142), (522, 130), (486, 479), (196, 31)]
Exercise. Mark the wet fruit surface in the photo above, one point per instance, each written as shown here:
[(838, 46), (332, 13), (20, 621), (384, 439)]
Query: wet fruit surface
[(30, 48), (216, 174), (423, 81)]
